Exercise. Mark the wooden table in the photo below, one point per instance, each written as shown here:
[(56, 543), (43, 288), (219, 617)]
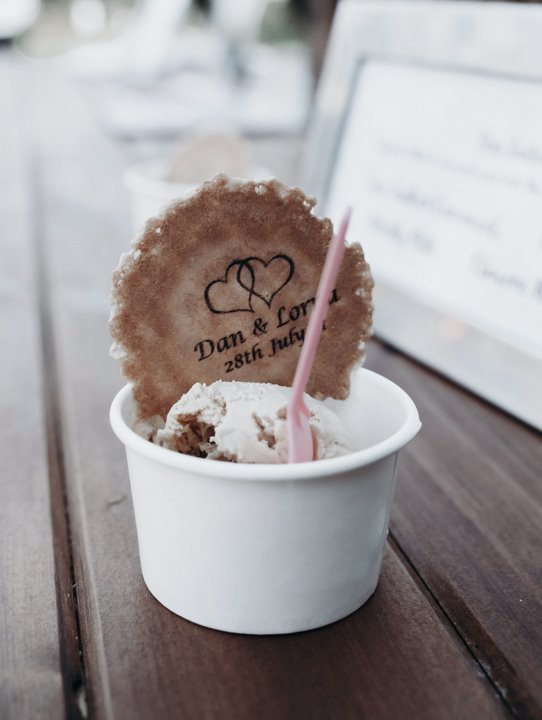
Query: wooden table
[(454, 629)]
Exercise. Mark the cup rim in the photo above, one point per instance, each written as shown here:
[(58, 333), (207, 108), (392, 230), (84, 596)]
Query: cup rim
[(270, 472), (148, 177)]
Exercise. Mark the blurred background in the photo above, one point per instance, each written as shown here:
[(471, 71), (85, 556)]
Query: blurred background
[(155, 74), (161, 67)]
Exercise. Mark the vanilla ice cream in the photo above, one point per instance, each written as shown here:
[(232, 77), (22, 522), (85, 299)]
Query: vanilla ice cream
[(245, 422)]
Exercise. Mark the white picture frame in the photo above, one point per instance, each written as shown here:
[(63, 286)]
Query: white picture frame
[(378, 53)]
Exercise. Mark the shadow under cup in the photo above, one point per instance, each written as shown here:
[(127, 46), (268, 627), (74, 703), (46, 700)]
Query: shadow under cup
[(266, 549)]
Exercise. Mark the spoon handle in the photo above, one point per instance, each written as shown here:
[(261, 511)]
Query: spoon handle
[(327, 281)]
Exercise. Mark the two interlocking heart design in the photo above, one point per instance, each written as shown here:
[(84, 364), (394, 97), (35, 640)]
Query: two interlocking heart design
[(245, 280)]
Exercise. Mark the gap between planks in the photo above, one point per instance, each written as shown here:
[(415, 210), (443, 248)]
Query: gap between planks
[(69, 630), (519, 702)]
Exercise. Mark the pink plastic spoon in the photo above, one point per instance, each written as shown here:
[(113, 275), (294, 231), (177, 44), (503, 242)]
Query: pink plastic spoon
[(300, 444)]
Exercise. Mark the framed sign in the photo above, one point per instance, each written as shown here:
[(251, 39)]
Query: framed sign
[(429, 124)]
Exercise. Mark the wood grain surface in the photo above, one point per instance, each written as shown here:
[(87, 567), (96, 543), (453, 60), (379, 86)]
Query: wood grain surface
[(468, 514), (453, 630), (30, 675)]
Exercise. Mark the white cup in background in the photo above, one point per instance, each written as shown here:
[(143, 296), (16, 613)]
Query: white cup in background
[(151, 192)]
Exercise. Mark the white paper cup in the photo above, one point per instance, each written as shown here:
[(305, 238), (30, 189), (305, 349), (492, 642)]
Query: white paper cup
[(265, 549), (150, 192)]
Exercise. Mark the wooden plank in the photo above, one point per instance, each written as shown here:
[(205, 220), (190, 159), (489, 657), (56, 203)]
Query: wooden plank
[(396, 657), (30, 677), (468, 514)]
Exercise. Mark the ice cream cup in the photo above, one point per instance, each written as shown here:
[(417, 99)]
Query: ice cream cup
[(151, 191), (266, 549)]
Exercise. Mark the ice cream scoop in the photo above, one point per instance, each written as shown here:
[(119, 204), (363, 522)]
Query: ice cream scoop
[(245, 422)]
